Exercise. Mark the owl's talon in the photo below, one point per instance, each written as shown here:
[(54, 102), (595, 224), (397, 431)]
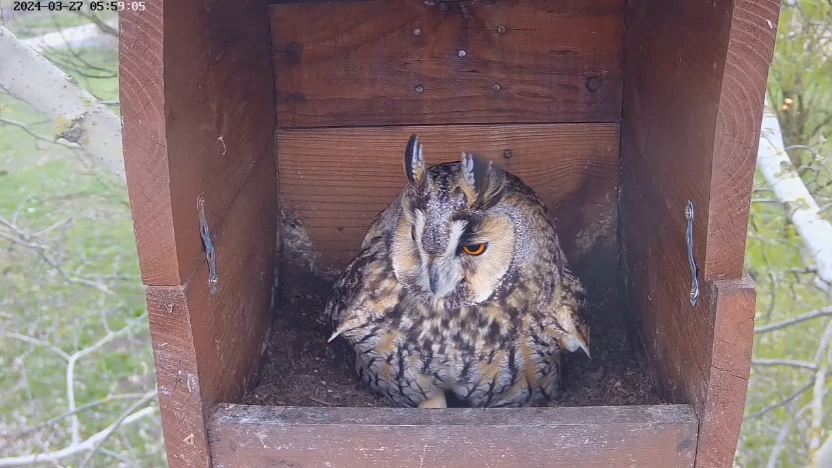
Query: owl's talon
[(436, 401)]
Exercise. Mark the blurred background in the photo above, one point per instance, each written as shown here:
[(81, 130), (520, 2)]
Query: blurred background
[(77, 386)]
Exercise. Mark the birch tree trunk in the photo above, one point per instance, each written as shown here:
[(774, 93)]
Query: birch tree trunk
[(790, 190), (78, 116)]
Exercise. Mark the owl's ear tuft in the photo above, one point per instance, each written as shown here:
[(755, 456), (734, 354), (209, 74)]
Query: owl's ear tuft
[(485, 181), (414, 161)]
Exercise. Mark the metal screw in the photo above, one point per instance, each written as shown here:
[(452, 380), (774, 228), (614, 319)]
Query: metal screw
[(496, 87), (420, 88), (508, 154), (461, 53), (417, 32), (501, 29)]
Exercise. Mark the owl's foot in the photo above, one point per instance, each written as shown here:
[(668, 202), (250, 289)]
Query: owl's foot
[(436, 401)]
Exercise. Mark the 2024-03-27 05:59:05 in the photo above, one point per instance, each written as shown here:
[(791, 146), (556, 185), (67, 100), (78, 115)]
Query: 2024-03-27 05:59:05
[(78, 5)]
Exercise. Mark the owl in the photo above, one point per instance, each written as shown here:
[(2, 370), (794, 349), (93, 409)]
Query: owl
[(460, 292)]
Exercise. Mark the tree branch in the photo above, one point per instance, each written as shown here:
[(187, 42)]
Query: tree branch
[(784, 362), (75, 449), (802, 209), (822, 312), (78, 116), (114, 427), (822, 362)]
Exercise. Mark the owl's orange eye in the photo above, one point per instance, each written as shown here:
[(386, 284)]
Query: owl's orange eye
[(413, 232), (474, 249)]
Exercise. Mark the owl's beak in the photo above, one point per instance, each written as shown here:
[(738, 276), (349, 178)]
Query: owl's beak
[(441, 277)]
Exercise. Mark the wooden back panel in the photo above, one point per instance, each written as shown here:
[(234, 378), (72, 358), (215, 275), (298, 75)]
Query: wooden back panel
[(338, 180), (197, 103), (409, 62), (694, 84)]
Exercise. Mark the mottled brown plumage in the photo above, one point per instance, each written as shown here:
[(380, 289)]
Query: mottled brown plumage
[(460, 288)]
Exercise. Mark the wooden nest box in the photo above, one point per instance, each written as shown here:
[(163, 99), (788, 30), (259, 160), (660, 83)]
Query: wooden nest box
[(247, 121)]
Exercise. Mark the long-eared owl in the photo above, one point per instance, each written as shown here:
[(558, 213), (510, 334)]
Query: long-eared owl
[(460, 290)]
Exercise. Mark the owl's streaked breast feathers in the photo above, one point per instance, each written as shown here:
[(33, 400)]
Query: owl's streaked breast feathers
[(460, 287)]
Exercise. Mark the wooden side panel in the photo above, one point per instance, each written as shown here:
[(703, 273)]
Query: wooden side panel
[(733, 306), (142, 97), (414, 62), (737, 136), (694, 84), (207, 346), (647, 436), (197, 97), (676, 55), (338, 180)]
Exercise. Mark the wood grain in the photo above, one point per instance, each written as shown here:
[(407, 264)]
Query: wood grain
[(732, 304), (737, 136), (694, 84), (208, 347), (646, 436), (197, 103), (144, 137), (337, 180), (360, 63)]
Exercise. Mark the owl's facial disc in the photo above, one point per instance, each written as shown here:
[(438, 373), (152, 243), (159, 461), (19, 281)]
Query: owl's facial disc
[(463, 257)]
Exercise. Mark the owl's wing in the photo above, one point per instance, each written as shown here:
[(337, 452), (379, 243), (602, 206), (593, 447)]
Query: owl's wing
[(569, 302), (346, 289)]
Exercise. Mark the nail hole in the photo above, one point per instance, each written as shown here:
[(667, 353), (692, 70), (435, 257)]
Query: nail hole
[(593, 83), (508, 154)]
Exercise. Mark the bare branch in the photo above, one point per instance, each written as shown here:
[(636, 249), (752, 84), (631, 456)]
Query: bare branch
[(822, 362), (37, 342), (75, 449), (108, 399), (822, 312), (70, 371), (37, 136), (784, 362), (22, 237), (779, 444), (114, 427), (781, 403)]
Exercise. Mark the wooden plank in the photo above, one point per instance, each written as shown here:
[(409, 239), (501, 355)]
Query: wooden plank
[(733, 305), (337, 180), (206, 346), (737, 136), (142, 98), (695, 80), (197, 106), (414, 62), (646, 436)]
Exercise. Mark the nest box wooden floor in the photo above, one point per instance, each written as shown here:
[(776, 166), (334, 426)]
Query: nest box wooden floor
[(262, 138)]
